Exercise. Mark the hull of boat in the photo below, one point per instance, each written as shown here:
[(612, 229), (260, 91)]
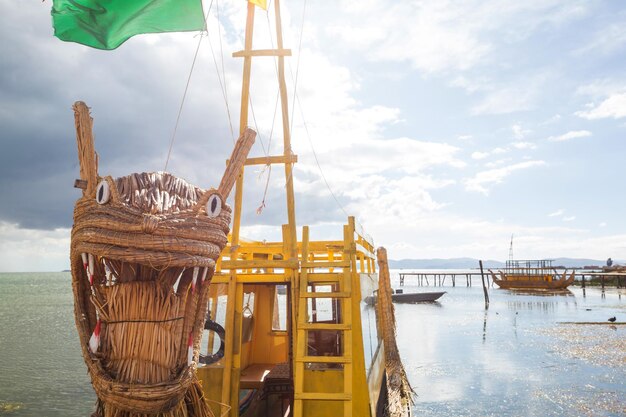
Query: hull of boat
[(418, 297), (520, 282)]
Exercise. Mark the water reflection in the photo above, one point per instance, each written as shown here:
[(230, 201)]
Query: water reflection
[(512, 359)]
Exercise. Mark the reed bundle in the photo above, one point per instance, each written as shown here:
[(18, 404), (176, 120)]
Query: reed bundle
[(399, 391), (143, 252)]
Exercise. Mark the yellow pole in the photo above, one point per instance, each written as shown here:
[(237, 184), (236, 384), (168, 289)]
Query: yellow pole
[(232, 285), (243, 120), (291, 206)]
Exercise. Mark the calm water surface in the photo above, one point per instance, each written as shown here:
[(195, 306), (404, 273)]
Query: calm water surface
[(513, 360), (518, 358)]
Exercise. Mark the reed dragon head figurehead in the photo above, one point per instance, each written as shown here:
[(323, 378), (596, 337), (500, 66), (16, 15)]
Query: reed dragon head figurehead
[(143, 251)]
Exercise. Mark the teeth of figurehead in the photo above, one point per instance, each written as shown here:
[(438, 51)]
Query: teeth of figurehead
[(195, 278), (204, 272), (108, 273), (94, 340), (91, 268), (175, 286), (190, 349), (85, 264)]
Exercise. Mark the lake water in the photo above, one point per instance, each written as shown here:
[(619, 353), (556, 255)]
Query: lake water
[(516, 359)]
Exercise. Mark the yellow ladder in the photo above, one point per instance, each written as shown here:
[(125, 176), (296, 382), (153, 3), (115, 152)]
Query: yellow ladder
[(339, 274)]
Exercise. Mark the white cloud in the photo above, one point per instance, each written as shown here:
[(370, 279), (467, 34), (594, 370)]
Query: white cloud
[(482, 155), (509, 99), (482, 180), (570, 135), (602, 224), (524, 145), (551, 120), (609, 39), (559, 212), (614, 106), (479, 155), (30, 250), (465, 137), (498, 162), (519, 132), (569, 218), (446, 35)]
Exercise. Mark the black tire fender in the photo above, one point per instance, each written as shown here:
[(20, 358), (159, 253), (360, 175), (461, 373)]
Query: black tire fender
[(219, 330)]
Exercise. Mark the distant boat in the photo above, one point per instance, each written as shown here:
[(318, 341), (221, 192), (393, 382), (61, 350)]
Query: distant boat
[(414, 297), (538, 274)]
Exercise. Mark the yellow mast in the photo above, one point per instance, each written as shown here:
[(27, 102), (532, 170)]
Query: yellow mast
[(287, 158), (342, 387), (235, 289)]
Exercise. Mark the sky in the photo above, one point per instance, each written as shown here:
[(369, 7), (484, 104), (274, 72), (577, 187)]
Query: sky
[(445, 127)]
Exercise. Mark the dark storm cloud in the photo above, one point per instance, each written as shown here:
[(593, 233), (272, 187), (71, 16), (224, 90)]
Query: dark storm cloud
[(134, 93)]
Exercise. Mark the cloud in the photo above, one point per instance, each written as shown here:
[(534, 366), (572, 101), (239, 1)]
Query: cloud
[(569, 218), (27, 250), (497, 163), (519, 132), (570, 135), (445, 36), (482, 180), (524, 145), (482, 155), (607, 40), (479, 155), (612, 107), (559, 212), (506, 100)]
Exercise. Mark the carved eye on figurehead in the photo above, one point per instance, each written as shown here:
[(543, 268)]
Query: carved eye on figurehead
[(103, 193), (214, 205)]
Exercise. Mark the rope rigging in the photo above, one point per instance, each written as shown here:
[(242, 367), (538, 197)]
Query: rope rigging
[(221, 76), (182, 102), (306, 128)]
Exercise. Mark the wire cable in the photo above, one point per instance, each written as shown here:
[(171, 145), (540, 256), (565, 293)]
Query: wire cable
[(182, 102)]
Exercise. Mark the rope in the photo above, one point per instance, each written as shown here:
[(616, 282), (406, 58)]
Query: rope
[(308, 135), (182, 102), (295, 83), (268, 166), (219, 31), (143, 321), (306, 128)]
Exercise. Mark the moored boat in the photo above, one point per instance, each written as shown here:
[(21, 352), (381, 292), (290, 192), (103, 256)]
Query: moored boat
[(537, 274), (416, 297), (410, 297)]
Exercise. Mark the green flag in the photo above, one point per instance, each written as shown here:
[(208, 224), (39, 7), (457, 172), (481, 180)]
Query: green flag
[(106, 24)]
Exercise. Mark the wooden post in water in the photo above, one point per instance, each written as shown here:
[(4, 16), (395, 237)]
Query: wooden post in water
[(583, 283), (482, 276), (602, 281)]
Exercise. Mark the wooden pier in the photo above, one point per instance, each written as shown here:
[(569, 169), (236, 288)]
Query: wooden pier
[(438, 278)]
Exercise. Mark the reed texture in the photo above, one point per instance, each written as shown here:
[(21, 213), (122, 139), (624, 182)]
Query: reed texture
[(143, 253), (399, 391)]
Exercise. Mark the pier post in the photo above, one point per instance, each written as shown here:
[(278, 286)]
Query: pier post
[(402, 280), (454, 280), (583, 283), (602, 281), (482, 276)]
